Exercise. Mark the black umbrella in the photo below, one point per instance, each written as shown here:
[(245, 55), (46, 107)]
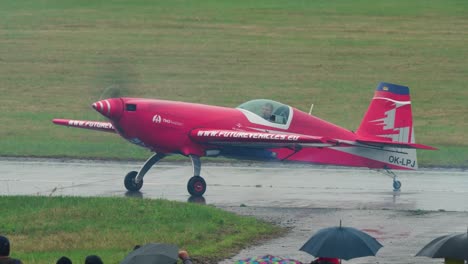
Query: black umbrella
[(341, 242), (153, 253), (454, 246)]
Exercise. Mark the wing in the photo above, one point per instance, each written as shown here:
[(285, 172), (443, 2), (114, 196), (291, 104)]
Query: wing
[(93, 125), (258, 139), (279, 140)]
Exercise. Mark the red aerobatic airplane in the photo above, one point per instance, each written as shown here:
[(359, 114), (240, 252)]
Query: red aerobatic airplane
[(261, 129)]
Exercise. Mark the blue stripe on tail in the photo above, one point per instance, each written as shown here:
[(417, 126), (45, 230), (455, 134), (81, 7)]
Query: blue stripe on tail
[(393, 88)]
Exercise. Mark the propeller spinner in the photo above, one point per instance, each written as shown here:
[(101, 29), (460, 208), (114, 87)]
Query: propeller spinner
[(110, 108)]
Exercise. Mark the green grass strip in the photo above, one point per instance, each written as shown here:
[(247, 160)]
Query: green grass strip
[(41, 229)]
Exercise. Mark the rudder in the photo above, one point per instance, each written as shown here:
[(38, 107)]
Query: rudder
[(389, 116)]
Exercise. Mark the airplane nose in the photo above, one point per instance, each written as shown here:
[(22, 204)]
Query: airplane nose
[(110, 108)]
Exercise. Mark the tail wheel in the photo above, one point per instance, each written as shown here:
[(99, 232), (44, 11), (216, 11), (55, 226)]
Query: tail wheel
[(130, 183), (396, 185), (196, 186)]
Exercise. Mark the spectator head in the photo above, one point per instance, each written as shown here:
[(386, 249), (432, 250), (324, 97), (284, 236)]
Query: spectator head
[(64, 260), (4, 247), (93, 259)]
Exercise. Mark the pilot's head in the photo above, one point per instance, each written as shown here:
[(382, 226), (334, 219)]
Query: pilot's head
[(267, 110)]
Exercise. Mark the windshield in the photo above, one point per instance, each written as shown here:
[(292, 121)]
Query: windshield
[(268, 109)]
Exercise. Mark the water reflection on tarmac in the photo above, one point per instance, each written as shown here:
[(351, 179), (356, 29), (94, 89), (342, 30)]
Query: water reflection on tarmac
[(260, 185), (303, 198)]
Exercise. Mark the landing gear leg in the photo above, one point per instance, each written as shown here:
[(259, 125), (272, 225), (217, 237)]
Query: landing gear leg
[(196, 186), (396, 182), (134, 180)]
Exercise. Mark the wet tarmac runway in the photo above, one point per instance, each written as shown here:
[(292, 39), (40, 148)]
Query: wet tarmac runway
[(303, 198), (264, 185)]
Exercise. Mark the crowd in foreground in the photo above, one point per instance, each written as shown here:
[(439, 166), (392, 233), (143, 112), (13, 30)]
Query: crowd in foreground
[(179, 254), (94, 259), (5, 257)]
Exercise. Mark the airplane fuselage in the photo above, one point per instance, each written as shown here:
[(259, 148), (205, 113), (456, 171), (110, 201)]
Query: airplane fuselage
[(261, 129), (164, 126)]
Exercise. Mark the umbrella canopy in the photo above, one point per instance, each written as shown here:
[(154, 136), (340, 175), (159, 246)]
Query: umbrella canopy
[(341, 242), (268, 259), (453, 246), (153, 253)]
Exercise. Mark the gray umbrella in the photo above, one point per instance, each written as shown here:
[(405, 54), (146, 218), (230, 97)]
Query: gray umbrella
[(153, 253), (453, 246), (341, 242)]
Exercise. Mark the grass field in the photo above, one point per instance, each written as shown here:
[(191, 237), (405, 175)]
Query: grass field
[(57, 57), (42, 229)]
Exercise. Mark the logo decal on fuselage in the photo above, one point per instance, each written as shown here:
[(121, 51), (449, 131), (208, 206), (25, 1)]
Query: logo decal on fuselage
[(249, 135), (157, 119)]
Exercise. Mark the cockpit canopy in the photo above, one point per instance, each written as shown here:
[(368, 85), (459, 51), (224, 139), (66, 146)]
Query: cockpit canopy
[(269, 110)]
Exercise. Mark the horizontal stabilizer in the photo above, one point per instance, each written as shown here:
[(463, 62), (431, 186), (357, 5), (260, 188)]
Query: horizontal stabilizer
[(394, 144), (93, 125)]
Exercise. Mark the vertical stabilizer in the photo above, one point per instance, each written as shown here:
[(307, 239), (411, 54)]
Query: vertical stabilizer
[(389, 116), (389, 120)]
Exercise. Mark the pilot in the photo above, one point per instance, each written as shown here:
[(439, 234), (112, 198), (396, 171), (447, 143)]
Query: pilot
[(267, 110)]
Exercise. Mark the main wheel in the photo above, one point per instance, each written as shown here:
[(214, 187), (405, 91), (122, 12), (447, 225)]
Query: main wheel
[(396, 185), (130, 183), (196, 186)]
